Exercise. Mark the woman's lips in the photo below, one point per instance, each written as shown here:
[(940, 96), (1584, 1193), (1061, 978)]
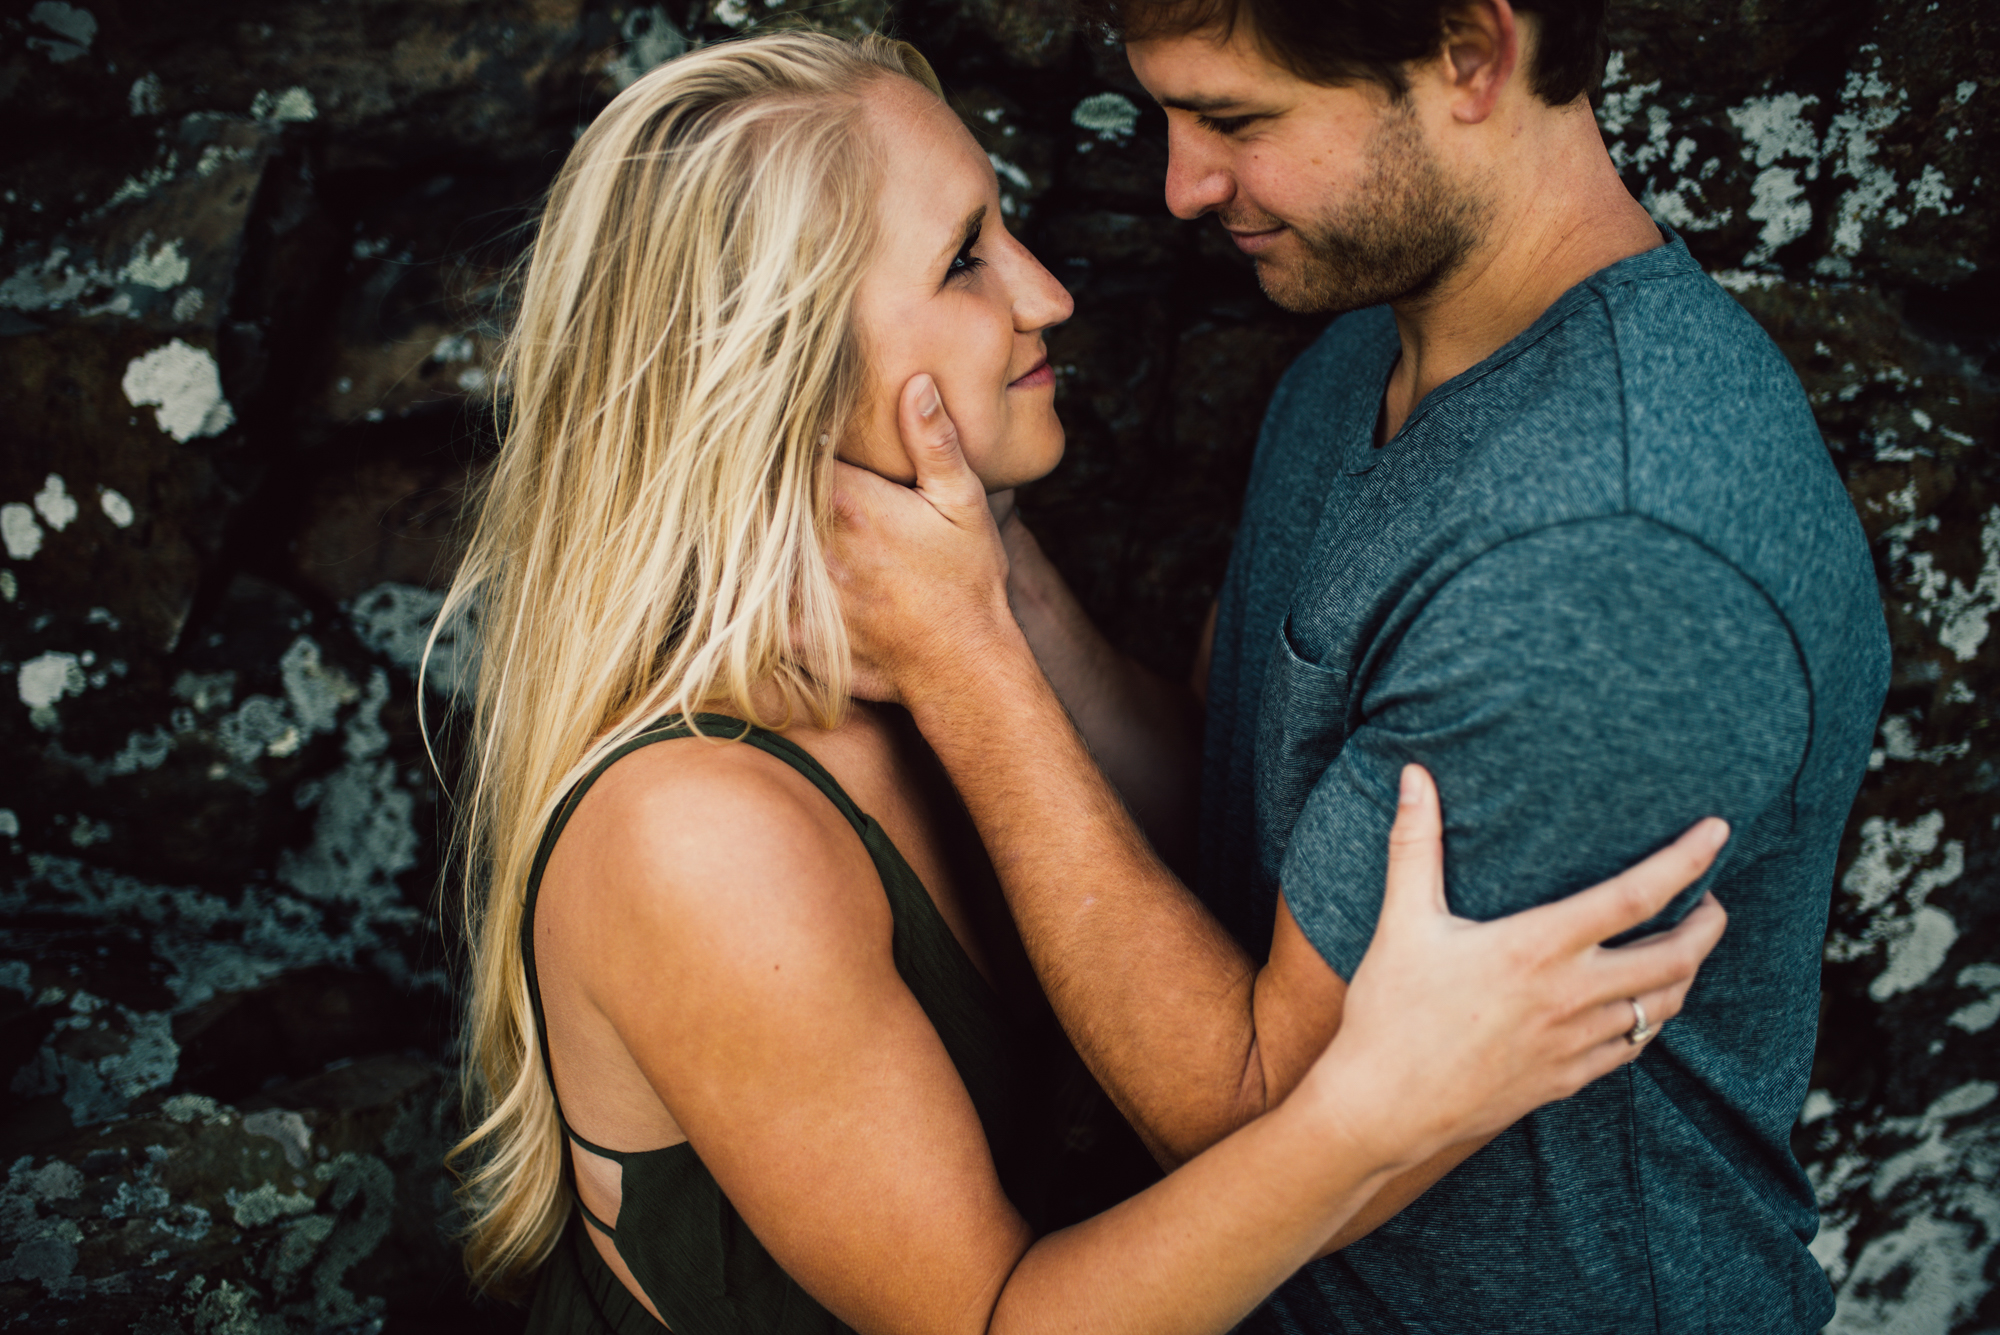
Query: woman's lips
[(1042, 375)]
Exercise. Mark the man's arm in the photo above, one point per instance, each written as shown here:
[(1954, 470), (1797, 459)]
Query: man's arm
[(1189, 1037), (1144, 730)]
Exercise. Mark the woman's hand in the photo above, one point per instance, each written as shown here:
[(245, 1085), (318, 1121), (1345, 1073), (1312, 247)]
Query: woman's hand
[(1455, 1029)]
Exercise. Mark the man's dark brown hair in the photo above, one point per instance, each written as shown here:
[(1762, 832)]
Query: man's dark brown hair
[(1348, 41)]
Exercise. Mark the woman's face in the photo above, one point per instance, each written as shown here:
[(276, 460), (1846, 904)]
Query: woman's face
[(951, 293)]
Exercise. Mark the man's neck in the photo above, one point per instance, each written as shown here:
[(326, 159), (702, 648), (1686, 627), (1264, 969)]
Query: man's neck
[(1561, 218)]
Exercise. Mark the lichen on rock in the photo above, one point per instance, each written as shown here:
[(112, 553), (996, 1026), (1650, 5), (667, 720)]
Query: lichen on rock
[(252, 294)]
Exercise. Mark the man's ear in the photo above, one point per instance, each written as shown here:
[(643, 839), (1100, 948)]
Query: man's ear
[(1482, 48)]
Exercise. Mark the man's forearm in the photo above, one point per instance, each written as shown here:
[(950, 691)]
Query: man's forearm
[(1174, 1020), (1144, 730), (1156, 995)]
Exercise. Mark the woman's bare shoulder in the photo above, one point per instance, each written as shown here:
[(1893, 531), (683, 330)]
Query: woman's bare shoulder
[(713, 905), (703, 828)]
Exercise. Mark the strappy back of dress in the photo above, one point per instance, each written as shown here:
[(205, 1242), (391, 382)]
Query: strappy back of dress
[(696, 1260)]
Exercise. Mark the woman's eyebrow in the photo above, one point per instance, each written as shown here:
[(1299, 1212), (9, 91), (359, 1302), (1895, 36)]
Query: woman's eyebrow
[(965, 234)]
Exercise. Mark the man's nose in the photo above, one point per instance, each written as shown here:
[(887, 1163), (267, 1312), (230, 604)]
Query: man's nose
[(1198, 182)]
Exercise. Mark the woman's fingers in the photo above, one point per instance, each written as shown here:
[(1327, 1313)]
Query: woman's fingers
[(1660, 960), (1635, 895), (1619, 1017), (1463, 1027), (1648, 979), (1416, 849), (1600, 1041), (1606, 1043)]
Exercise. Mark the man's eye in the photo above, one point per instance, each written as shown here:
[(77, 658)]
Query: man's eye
[(1225, 124)]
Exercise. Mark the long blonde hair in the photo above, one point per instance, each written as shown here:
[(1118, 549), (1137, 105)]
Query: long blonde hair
[(650, 537)]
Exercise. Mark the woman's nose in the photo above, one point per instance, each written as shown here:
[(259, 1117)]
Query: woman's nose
[(1040, 301)]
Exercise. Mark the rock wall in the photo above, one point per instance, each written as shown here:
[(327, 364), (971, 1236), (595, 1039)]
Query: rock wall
[(249, 257)]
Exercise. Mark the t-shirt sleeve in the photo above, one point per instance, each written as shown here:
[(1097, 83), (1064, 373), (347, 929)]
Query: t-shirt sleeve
[(1582, 694)]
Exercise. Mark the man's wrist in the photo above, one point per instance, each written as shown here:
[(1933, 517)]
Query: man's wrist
[(990, 660)]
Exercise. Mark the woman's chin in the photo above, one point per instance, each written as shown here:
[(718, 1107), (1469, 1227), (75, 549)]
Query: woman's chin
[(1021, 467)]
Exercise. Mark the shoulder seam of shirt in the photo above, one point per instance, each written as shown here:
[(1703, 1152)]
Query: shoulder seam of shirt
[(1791, 633), (1624, 405), (1489, 366)]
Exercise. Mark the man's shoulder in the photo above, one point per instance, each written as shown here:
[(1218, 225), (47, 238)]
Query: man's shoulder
[(1659, 395), (1670, 352), (1661, 398), (1683, 332), (1720, 442)]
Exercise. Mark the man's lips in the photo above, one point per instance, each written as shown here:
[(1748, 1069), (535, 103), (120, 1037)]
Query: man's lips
[(1250, 242), (1042, 374)]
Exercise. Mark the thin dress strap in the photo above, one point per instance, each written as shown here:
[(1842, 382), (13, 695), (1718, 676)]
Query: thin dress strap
[(665, 730)]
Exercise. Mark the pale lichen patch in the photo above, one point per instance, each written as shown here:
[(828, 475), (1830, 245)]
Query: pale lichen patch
[(46, 678), (651, 39), (1109, 116), (54, 503), (186, 385), (265, 1205), (1905, 863), (74, 30), (287, 1128), (1978, 1016), (19, 531), (163, 268), (116, 508), (1958, 613), (144, 97), (291, 105), (395, 620)]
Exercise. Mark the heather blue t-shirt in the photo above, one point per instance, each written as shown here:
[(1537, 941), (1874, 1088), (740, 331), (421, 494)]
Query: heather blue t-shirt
[(1602, 584)]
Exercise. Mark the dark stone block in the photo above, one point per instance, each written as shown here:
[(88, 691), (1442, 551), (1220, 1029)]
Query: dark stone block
[(219, 946)]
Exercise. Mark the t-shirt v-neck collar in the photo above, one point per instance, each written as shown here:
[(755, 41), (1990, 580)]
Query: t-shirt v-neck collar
[(1666, 260)]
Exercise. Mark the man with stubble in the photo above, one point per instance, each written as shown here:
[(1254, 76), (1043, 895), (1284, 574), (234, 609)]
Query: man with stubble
[(1543, 511)]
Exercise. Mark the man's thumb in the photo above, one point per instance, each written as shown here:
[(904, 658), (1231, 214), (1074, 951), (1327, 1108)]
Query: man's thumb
[(1416, 849), (931, 440)]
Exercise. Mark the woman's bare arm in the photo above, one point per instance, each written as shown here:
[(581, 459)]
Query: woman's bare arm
[(737, 940)]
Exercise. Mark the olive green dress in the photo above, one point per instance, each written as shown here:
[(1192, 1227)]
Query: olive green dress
[(693, 1255)]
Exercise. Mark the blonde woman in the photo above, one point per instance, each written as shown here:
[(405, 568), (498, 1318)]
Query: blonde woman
[(743, 1063)]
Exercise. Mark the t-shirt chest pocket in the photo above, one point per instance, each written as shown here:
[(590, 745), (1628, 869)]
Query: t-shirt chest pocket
[(1301, 726)]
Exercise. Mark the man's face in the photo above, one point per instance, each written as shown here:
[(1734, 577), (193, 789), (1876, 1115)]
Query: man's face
[(1335, 193)]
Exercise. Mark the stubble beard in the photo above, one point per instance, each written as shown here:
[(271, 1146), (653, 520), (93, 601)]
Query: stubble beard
[(1406, 230)]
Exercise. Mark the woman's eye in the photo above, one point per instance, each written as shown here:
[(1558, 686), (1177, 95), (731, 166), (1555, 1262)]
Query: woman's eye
[(965, 262)]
